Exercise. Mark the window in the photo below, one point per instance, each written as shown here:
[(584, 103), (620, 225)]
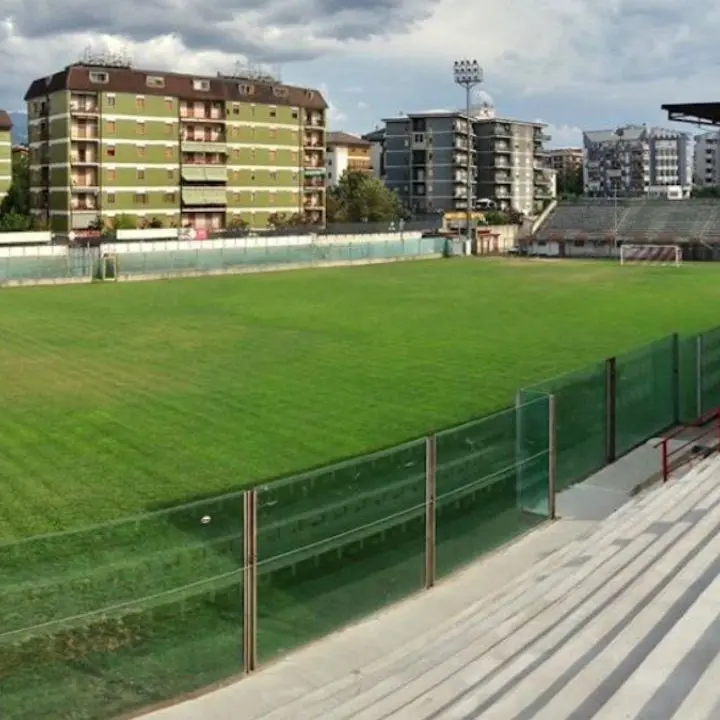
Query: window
[(202, 85), (168, 128), (169, 153), (111, 198), (273, 111), (236, 109), (245, 89), (112, 174), (110, 128), (280, 91), (169, 103), (272, 155), (140, 127), (110, 100), (273, 133), (252, 176), (141, 198), (170, 197), (141, 150), (110, 152), (140, 102), (236, 174), (99, 77), (235, 131), (155, 81), (141, 173), (294, 114), (171, 174), (273, 175)]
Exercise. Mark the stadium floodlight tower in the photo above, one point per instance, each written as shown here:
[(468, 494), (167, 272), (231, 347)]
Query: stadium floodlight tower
[(468, 74)]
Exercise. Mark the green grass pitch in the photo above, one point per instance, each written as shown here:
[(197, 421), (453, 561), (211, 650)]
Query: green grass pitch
[(122, 398)]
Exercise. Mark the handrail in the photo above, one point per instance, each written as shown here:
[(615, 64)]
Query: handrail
[(667, 454), (699, 422)]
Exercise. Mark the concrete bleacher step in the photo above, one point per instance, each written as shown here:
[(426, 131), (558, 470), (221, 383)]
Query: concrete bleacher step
[(403, 676)]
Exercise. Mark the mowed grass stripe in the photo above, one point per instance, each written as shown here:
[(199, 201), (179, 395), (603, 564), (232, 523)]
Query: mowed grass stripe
[(177, 390)]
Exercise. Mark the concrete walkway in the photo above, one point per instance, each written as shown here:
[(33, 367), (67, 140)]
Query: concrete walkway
[(588, 617)]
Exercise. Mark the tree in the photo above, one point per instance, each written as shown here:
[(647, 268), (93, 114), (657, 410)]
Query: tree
[(282, 221), (359, 197), (570, 182), (125, 222), (15, 213), (708, 191)]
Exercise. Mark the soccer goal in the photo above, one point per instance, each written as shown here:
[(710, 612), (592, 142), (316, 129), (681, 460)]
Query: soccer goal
[(651, 254)]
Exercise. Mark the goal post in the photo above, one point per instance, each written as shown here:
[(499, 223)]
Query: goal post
[(650, 254)]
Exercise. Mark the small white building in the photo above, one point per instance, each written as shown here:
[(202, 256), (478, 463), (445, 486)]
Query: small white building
[(346, 152)]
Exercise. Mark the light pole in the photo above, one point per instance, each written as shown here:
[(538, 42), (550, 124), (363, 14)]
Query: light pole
[(468, 74)]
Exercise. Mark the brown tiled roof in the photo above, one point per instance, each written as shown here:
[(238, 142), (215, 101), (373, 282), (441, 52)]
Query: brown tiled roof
[(5, 121), (346, 140), (130, 80)]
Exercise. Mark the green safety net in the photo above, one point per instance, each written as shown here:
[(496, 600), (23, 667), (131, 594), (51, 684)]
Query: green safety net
[(268, 255), (689, 399), (710, 370), (114, 618), (337, 544), (580, 421), (646, 393), (491, 484)]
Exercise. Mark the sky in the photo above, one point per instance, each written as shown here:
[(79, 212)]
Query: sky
[(574, 64)]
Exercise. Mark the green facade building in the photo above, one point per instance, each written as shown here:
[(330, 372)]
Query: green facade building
[(112, 144), (5, 153)]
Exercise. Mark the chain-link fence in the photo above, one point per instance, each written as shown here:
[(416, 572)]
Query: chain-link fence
[(124, 615)]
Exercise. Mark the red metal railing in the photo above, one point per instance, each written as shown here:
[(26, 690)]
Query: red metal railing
[(711, 424)]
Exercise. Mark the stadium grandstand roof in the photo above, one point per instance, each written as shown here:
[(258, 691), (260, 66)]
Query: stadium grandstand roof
[(707, 113)]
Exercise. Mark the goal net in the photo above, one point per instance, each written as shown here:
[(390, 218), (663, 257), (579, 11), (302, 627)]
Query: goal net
[(651, 254)]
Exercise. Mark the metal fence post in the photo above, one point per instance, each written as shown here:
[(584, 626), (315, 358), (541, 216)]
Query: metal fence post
[(610, 410), (699, 375), (552, 458), (430, 510), (676, 377), (250, 581)]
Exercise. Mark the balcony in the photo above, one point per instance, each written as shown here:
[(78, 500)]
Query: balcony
[(203, 146), (502, 179), (313, 201), (84, 106), (86, 205), (501, 147), (502, 130), (83, 158), (87, 182), (313, 140), (89, 132), (460, 179), (313, 160), (313, 182), (207, 195), (204, 173), (206, 111), (314, 119)]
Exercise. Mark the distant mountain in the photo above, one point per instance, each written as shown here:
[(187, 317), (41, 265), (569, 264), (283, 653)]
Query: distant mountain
[(19, 132)]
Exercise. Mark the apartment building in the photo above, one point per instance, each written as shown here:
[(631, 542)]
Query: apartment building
[(346, 152), (707, 159), (511, 164), (107, 139), (565, 161), (376, 138), (5, 153), (637, 160), (426, 160)]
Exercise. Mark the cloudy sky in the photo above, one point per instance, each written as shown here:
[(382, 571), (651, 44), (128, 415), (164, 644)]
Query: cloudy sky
[(571, 63)]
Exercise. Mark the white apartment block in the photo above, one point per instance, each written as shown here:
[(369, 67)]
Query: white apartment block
[(636, 161), (707, 159)]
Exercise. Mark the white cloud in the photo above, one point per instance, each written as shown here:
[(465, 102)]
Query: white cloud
[(563, 135), (336, 117)]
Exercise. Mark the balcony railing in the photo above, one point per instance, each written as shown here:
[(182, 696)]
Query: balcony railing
[(215, 114), (502, 131), (203, 146), (79, 107), (86, 134), (83, 160), (313, 141), (84, 207), (314, 120)]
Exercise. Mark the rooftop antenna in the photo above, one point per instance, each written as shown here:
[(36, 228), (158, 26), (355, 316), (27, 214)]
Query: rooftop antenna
[(268, 74), (105, 58)]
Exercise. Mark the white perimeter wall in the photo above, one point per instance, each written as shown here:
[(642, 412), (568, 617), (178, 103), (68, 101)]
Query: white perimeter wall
[(226, 243)]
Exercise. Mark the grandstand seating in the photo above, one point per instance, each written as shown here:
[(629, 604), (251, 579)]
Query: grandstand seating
[(673, 220), (620, 623)]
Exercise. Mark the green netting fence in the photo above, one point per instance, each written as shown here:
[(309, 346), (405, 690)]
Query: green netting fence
[(87, 264), (121, 616)]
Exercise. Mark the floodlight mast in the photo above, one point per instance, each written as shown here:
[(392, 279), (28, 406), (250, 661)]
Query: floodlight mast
[(468, 74)]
